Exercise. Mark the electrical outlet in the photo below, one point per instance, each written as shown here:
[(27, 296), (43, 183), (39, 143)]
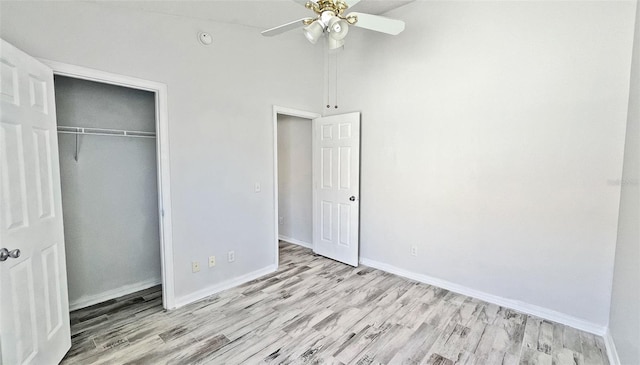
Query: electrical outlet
[(414, 250), (231, 256), (195, 266), (257, 187), (212, 261), (281, 220)]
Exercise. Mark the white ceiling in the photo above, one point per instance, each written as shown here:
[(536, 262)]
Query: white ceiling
[(261, 14)]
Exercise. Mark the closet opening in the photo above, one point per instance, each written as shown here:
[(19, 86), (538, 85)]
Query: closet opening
[(114, 179)]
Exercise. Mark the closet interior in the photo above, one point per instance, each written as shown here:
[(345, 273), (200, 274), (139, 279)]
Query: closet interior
[(108, 168)]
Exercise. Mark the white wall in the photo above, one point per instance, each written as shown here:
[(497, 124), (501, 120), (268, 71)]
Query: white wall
[(220, 115), (110, 195), (625, 300), (491, 132), (294, 179)]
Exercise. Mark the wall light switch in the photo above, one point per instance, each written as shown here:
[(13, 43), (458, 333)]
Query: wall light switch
[(212, 261), (257, 187)]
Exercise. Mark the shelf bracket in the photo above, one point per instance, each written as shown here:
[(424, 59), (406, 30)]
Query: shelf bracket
[(75, 156)]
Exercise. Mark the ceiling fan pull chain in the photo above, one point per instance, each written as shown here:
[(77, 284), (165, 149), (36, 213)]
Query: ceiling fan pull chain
[(327, 60), (336, 82)]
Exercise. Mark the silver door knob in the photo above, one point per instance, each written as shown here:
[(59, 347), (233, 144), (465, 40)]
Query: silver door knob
[(5, 254), (352, 198)]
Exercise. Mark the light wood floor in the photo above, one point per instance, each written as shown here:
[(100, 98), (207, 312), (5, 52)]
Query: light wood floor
[(316, 311)]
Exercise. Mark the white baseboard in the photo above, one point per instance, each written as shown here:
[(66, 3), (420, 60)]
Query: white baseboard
[(503, 302), (89, 300), (612, 352), (295, 241), (213, 289)]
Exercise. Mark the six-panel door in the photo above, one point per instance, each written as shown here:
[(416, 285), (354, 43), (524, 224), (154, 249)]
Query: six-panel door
[(336, 186), (34, 310)]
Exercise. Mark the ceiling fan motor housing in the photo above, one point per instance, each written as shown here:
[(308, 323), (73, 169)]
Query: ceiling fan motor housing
[(337, 7)]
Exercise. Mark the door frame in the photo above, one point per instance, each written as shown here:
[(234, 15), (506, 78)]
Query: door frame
[(280, 110), (162, 158)]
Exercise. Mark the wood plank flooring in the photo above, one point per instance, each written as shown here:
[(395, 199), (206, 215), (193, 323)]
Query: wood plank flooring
[(317, 311)]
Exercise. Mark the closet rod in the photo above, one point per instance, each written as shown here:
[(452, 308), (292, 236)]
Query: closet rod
[(101, 132), (105, 132)]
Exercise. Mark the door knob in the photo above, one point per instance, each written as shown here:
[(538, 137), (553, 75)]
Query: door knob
[(5, 254), (352, 198)]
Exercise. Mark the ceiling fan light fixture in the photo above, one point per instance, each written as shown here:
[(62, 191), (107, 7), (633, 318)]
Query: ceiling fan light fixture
[(338, 28), (313, 31), (335, 44)]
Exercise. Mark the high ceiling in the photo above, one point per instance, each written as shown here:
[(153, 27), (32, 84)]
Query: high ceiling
[(261, 14)]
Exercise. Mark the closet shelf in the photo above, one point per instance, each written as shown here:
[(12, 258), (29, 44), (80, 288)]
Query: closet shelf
[(105, 132)]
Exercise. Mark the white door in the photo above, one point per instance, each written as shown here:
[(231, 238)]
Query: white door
[(34, 309), (336, 187)]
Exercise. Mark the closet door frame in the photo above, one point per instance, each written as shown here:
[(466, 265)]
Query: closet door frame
[(162, 153)]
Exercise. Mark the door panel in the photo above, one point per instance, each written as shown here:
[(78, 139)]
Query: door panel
[(345, 224), (344, 158), (38, 94), (326, 221), (336, 178), (9, 82), (52, 291), (24, 313), (326, 168), (44, 180), (34, 307), (14, 189)]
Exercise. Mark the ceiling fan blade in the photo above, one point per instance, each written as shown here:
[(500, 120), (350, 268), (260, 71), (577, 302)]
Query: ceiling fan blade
[(351, 3), (284, 27), (378, 23)]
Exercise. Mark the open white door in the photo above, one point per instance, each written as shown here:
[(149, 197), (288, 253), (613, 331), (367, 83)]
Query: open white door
[(336, 187), (34, 309)]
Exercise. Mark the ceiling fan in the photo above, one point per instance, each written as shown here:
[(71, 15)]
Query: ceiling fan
[(331, 22)]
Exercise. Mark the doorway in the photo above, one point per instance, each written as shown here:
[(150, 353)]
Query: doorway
[(292, 176), (335, 182), (160, 144), (295, 218)]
